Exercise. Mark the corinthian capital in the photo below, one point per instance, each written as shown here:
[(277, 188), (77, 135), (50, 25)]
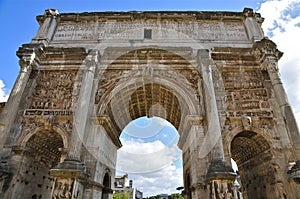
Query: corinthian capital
[(29, 55), (271, 66), (91, 60), (266, 47)]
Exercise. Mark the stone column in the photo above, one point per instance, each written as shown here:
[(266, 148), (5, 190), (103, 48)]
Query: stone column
[(29, 59), (267, 51), (82, 110), (285, 107), (220, 175), (71, 173), (46, 30)]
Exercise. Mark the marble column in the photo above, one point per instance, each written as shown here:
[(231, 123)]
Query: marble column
[(81, 112), (267, 53), (220, 175), (71, 173), (285, 107)]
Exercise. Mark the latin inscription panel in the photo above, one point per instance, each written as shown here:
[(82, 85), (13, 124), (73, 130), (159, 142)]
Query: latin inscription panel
[(223, 31)]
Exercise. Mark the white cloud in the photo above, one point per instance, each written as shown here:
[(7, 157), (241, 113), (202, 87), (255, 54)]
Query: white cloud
[(150, 166), (165, 180), (3, 92), (140, 157), (282, 25)]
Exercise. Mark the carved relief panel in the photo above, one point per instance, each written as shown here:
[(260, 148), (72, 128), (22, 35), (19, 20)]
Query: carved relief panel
[(246, 93), (55, 93), (63, 189)]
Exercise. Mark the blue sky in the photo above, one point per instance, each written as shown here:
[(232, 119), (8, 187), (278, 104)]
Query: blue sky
[(18, 25)]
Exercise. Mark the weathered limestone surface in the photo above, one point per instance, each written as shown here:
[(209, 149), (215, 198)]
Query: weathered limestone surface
[(85, 76)]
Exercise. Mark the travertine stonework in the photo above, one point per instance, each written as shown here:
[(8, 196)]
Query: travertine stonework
[(85, 76)]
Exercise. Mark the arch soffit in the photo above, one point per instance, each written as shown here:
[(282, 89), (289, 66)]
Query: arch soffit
[(182, 91), (24, 139), (186, 92), (230, 135), (182, 94)]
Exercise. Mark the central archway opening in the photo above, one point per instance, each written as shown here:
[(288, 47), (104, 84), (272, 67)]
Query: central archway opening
[(150, 157), (150, 82)]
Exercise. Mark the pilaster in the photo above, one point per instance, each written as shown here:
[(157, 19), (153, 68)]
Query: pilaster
[(47, 28), (253, 23)]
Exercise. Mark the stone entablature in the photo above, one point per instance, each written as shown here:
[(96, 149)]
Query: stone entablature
[(172, 25)]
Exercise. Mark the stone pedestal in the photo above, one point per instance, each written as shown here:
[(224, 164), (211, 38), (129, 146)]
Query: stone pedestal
[(70, 180), (220, 179)]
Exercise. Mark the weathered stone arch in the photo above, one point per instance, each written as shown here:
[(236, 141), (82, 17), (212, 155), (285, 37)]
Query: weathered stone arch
[(252, 153), (26, 136), (106, 182), (186, 92), (229, 135), (190, 108), (41, 150), (47, 144)]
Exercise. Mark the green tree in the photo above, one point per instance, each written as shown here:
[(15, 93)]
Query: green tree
[(117, 196), (175, 196), (121, 195)]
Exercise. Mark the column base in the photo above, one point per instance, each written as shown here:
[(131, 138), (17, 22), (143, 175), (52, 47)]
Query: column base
[(71, 164), (220, 170), (294, 172), (220, 179), (70, 179)]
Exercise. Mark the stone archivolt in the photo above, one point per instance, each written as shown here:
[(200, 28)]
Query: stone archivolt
[(148, 67), (247, 145)]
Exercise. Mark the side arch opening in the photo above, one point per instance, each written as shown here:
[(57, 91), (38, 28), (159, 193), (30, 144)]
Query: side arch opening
[(43, 151), (106, 186), (251, 152)]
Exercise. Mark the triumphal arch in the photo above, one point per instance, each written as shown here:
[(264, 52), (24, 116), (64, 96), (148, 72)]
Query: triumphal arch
[(85, 76)]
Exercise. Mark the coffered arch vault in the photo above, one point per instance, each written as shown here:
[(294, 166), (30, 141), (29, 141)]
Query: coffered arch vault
[(149, 82)]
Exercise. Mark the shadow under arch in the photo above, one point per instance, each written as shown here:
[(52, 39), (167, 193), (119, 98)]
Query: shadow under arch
[(24, 139), (106, 190), (229, 135), (251, 151), (43, 150)]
